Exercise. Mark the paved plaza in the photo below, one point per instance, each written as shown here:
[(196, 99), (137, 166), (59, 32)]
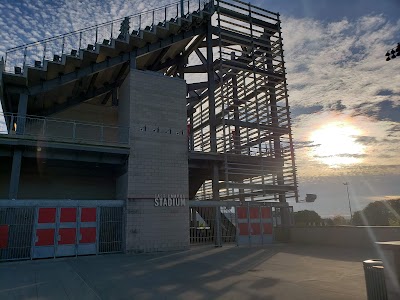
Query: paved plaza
[(269, 273)]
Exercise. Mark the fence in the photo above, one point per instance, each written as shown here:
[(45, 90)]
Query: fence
[(54, 228), (51, 128), (35, 54), (217, 222)]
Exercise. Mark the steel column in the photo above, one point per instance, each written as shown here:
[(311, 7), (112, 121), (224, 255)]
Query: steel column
[(15, 174)]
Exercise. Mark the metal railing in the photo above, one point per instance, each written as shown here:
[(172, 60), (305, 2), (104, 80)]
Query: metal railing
[(56, 129), (35, 54)]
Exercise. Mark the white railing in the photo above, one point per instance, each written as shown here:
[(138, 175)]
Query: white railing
[(52, 49), (60, 129)]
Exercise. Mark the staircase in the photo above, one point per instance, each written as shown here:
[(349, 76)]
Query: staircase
[(67, 52)]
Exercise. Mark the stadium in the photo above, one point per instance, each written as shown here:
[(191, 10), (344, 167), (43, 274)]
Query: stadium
[(149, 133)]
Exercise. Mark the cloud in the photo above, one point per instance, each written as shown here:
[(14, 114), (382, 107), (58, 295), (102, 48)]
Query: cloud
[(383, 110), (338, 106), (385, 92), (308, 144), (342, 60), (342, 155), (366, 140), (384, 198), (305, 110)]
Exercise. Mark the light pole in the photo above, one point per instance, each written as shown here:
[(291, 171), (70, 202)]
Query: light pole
[(348, 197)]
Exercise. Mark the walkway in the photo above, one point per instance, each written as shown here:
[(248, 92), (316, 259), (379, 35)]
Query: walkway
[(269, 273)]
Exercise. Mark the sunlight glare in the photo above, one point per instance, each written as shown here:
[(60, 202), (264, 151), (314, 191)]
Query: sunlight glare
[(335, 144)]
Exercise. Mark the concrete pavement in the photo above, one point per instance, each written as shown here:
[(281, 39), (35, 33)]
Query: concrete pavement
[(274, 272)]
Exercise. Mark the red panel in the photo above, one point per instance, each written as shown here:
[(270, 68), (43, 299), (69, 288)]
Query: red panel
[(88, 214), (45, 237), (241, 212), (68, 214), (47, 215), (255, 228), (88, 235), (67, 236), (265, 212), (267, 228), (254, 213), (243, 229), (3, 236)]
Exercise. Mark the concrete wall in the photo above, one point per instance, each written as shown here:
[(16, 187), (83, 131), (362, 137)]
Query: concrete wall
[(90, 112), (158, 162), (345, 236), (40, 181)]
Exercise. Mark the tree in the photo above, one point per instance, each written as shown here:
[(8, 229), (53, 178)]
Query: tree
[(340, 220), (328, 222), (304, 217), (358, 219), (379, 213)]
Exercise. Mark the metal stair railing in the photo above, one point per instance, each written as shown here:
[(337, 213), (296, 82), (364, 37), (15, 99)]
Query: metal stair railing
[(52, 49), (44, 128)]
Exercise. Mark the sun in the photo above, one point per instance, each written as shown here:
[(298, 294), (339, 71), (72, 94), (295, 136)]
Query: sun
[(335, 144)]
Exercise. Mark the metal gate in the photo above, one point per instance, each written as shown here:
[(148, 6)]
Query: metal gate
[(57, 228), (217, 222), (255, 226)]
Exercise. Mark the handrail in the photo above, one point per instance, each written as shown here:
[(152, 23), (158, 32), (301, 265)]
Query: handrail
[(53, 48), (53, 128)]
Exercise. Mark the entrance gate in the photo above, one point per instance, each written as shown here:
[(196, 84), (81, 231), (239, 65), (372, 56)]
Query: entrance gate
[(219, 222), (57, 228), (65, 231), (254, 225)]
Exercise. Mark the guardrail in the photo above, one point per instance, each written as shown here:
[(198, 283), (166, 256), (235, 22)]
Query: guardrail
[(36, 53), (60, 129)]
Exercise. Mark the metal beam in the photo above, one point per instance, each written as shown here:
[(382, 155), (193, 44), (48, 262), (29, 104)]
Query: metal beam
[(204, 61), (215, 43), (237, 123), (248, 19), (157, 62), (68, 145), (211, 109), (106, 98), (196, 69)]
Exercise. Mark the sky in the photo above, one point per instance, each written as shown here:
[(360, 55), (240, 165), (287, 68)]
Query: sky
[(344, 96)]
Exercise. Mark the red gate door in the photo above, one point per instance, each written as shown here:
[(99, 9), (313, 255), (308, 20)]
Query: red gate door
[(44, 242), (266, 225), (255, 225), (67, 227), (3, 236), (243, 237), (87, 237)]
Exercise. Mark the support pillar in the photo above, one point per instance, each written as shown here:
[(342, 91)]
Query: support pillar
[(15, 174), (211, 104), (21, 117), (275, 122)]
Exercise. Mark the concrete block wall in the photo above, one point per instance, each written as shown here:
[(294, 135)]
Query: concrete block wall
[(158, 162), (344, 236)]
